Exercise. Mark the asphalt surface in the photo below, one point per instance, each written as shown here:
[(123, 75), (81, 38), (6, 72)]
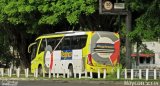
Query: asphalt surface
[(59, 83), (6, 82)]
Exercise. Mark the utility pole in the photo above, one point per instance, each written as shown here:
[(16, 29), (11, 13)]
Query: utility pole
[(127, 42)]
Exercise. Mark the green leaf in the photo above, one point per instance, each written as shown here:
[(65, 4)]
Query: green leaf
[(30, 8)]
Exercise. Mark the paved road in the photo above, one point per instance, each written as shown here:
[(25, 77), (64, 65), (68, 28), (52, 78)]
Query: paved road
[(60, 83), (76, 83)]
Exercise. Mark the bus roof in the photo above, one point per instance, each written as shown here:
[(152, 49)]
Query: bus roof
[(61, 34), (65, 33)]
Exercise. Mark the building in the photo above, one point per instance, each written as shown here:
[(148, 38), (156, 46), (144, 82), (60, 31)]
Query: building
[(147, 60)]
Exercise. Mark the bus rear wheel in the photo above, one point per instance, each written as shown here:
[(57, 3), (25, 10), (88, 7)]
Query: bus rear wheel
[(71, 71), (40, 70)]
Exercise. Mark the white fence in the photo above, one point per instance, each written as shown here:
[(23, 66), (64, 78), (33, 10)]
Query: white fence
[(25, 73), (126, 74), (132, 74), (9, 72)]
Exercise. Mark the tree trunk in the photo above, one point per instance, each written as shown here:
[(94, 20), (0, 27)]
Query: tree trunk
[(137, 52), (19, 42), (22, 49)]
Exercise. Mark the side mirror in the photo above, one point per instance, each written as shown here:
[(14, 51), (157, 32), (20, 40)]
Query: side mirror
[(29, 47)]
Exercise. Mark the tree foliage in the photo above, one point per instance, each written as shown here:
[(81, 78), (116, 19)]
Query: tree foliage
[(19, 18), (51, 12), (55, 11), (147, 21)]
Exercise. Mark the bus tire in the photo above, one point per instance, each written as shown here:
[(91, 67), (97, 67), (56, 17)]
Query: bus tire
[(40, 70), (95, 75), (71, 74)]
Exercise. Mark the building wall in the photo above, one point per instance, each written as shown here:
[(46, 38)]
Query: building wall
[(155, 46)]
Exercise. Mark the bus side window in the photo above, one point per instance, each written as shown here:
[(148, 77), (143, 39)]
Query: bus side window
[(59, 47), (82, 40), (66, 43), (42, 46), (74, 43), (54, 42), (51, 42), (78, 42)]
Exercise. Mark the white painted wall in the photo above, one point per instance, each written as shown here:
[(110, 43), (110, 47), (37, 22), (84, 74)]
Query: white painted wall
[(155, 46)]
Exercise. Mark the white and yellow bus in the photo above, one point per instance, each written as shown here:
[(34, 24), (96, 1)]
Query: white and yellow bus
[(75, 51)]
